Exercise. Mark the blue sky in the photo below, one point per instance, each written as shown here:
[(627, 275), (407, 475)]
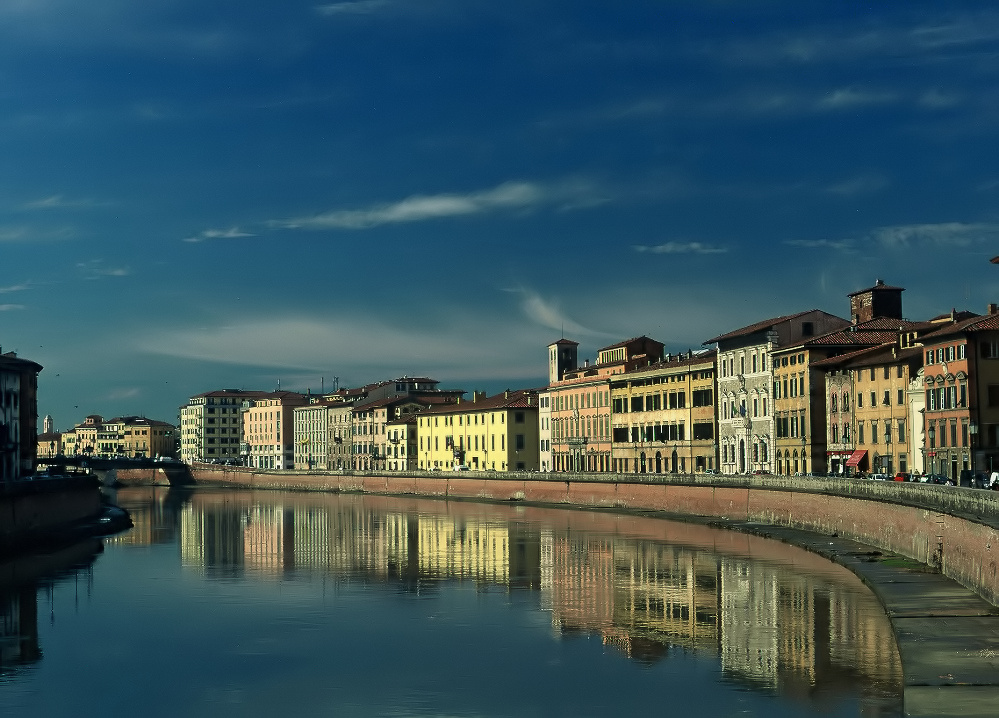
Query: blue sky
[(197, 195)]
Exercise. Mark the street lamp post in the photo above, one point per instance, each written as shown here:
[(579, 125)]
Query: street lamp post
[(973, 431), (933, 454), (888, 446)]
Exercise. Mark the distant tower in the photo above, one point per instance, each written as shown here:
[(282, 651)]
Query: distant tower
[(562, 357), (877, 301), (47, 424)]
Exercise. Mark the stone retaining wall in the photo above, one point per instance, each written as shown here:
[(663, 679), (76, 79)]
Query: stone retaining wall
[(31, 511)]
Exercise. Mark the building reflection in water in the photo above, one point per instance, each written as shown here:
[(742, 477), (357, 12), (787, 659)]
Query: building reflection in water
[(22, 580), (778, 618)]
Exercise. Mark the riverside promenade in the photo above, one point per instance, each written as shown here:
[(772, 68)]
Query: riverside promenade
[(928, 552)]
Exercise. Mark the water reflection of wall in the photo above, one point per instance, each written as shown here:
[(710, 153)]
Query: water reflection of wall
[(774, 627), (21, 579), (18, 628)]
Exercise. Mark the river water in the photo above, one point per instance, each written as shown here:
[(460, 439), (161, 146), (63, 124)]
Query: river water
[(224, 603)]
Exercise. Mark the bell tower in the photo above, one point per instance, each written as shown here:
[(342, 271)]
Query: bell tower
[(877, 301), (562, 357)]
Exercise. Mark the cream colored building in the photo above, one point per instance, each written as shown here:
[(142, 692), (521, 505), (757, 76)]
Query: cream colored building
[(268, 429), (210, 425), (498, 433), (323, 431), (312, 435), (746, 426), (86, 436)]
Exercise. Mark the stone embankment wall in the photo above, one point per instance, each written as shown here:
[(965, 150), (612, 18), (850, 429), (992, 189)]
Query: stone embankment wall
[(953, 529), (31, 511)]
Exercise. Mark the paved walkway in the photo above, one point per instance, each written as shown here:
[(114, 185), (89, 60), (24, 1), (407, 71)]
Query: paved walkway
[(948, 637)]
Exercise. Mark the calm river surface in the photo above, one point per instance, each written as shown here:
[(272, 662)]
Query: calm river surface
[(269, 604)]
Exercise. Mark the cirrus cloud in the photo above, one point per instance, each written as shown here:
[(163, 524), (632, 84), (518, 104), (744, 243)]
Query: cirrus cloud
[(680, 248)]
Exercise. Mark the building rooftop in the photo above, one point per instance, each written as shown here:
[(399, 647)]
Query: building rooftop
[(758, 327), (510, 399)]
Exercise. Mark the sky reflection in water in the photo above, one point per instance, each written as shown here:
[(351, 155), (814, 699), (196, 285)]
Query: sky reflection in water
[(257, 604)]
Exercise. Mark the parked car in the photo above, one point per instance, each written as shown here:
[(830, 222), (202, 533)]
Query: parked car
[(879, 477), (936, 479), (903, 476)]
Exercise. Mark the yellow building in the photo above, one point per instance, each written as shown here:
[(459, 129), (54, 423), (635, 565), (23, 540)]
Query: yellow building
[(49, 444), (802, 416), (67, 443), (136, 437), (664, 416), (401, 447), (880, 383), (498, 433)]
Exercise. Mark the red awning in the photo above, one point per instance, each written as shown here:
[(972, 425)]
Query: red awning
[(856, 457)]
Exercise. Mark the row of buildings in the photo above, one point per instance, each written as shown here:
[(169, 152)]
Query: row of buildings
[(399, 425), (125, 436), (804, 393)]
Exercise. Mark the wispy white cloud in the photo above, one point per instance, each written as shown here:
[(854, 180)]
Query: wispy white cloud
[(357, 7), (13, 234), (25, 233), (10, 307), (231, 233), (919, 39), (97, 269), (849, 98), (944, 234), (680, 248), (909, 236), (936, 99), (865, 184), (359, 345), (547, 313), (509, 196), (418, 208), (58, 201), (15, 288), (509, 344), (836, 244), (123, 393)]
